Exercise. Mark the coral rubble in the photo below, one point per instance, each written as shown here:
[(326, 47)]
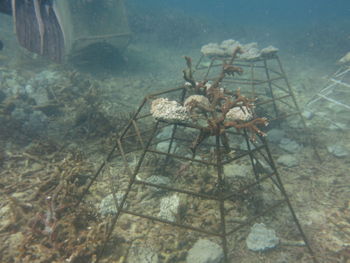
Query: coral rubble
[(226, 48)]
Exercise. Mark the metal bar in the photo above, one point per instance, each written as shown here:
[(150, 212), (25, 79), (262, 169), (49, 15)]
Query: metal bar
[(270, 89), (121, 205), (138, 133), (248, 222), (261, 179), (335, 101), (340, 83), (291, 209), (204, 196), (221, 183), (311, 140), (171, 223), (279, 87), (181, 157), (272, 100)]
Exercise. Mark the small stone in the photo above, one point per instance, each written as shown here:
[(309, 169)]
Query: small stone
[(108, 206), (290, 145), (168, 110), (235, 170), (205, 251), (275, 135), (169, 207), (287, 160), (261, 238), (142, 255), (338, 150), (308, 114), (165, 133), (164, 146), (158, 180)]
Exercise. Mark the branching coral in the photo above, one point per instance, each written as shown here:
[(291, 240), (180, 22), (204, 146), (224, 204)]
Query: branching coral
[(225, 110), (219, 109)]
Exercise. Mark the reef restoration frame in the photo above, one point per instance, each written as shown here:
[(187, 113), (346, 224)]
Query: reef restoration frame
[(190, 145)]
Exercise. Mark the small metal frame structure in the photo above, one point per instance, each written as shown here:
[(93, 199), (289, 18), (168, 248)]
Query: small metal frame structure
[(216, 205), (263, 78), (331, 104)]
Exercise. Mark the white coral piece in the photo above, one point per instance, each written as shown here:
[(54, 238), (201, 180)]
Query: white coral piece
[(226, 48), (239, 113), (199, 99), (212, 50), (168, 110)]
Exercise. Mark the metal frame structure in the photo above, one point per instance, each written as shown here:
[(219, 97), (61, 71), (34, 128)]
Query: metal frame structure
[(264, 78), (336, 93), (140, 139)]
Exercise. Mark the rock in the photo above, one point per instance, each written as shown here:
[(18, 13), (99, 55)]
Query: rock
[(165, 133), (226, 48), (338, 150), (200, 100), (139, 254), (168, 110), (205, 251), (287, 160), (169, 207), (164, 146), (235, 170), (241, 113), (243, 146), (308, 114), (290, 145), (158, 179), (275, 135), (261, 238), (107, 205)]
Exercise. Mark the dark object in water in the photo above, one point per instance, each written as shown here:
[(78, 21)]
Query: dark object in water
[(56, 29), (37, 26), (1, 45)]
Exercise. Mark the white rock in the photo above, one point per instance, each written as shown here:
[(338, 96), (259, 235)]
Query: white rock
[(139, 254), (239, 113), (261, 238), (205, 251), (169, 207), (168, 110)]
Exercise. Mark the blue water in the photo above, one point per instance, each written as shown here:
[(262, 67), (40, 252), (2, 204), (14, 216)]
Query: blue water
[(262, 11), (316, 26)]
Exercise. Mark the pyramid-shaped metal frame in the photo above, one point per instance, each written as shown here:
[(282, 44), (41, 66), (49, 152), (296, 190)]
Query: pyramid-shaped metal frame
[(264, 78), (140, 137)]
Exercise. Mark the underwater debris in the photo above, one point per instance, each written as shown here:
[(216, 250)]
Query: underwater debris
[(42, 223)]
